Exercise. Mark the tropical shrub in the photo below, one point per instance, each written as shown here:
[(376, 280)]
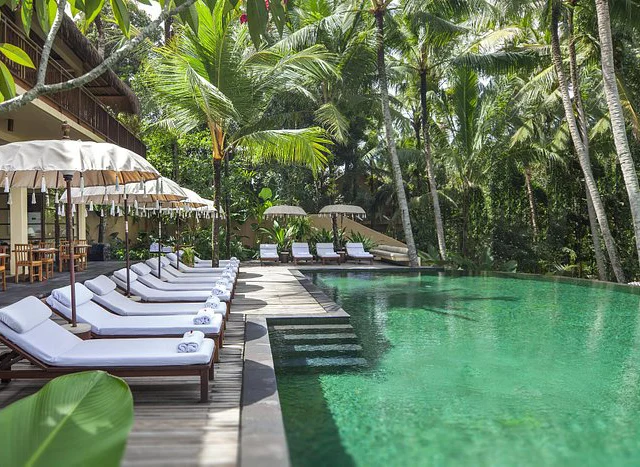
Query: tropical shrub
[(188, 255), (357, 237), (78, 419)]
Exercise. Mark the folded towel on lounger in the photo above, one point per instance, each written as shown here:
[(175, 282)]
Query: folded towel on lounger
[(218, 290), (212, 302), (204, 316), (191, 342)]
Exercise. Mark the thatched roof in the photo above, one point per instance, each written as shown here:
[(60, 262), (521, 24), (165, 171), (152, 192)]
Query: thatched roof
[(343, 209), (284, 211), (109, 89)]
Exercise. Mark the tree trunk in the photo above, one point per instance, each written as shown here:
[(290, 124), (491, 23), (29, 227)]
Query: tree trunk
[(227, 204), (101, 38), (175, 161), (532, 202), (618, 125), (168, 33), (102, 227), (578, 143), (217, 163), (391, 143), (584, 131), (595, 237), (465, 222), (433, 188)]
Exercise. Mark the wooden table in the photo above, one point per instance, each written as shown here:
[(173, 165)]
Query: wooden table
[(343, 256)]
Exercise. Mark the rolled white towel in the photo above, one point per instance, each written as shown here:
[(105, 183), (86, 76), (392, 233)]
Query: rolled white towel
[(191, 342), (218, 290), (233, 258), (225, 284), (212, 302), (204, 316)]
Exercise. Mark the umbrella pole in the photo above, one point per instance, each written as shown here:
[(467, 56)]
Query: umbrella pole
[(72, 269), (334, 224), (159, 246), (178, 241), (126, 245)]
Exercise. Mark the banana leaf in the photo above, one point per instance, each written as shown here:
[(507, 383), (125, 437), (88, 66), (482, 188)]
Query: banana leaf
[(78, 419)]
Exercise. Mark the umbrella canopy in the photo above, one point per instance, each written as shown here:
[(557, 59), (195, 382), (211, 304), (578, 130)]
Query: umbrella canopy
[(44, 163), (344, 210), (163, 190), (283, 210)]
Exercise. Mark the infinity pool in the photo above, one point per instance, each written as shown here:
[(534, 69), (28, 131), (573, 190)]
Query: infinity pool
[(470, 371)]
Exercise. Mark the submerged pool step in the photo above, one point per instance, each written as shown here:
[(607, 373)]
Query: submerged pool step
[(323, 362), (318, 338), (320, 350), (312, 327)]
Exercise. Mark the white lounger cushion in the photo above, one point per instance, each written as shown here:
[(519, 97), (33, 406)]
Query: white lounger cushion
[(24, 315), (154, 295), (55, 346), (356, 250), (325, 250), (141, 269), (171, 274), (152, 281), (101, 285), (122, 275), (104, 323), (121, 305)]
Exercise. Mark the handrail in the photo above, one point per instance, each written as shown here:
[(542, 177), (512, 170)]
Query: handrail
[(77, 103)]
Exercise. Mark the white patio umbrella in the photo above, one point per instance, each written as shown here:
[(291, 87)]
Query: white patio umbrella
[(66, 163), (284, 210), (162, 190), (335, 210)]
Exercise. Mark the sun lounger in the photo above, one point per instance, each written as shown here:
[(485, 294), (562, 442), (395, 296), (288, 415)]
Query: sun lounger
[(144, 276), (106, 324), (300, 252), (171, 274), (191, 270), (153, 248), (355, 251), (105, 294), (148, 294), (269, 252), (326, 252), (207, 263), (54, 351)]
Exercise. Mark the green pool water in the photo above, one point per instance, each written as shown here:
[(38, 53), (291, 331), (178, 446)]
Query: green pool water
[(472, 371)]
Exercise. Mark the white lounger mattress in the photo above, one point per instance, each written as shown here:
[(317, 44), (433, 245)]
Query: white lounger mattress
[(154, 295), (104, 323), (151, 281), (121, 305), (55, 346)]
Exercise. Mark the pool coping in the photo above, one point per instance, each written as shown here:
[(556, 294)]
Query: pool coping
[(263, 440)]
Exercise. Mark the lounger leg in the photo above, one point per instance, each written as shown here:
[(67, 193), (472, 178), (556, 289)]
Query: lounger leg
[(221, 337), (216, 354), (211, 372), (204, 386)]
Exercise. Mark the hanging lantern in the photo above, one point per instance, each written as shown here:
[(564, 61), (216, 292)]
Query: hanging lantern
[(33, 197), (6, 184), (43, 185)]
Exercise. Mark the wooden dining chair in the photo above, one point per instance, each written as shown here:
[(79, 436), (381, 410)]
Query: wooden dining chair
[(3, 266), (63, 254), (48, 258), (24, 259), (81, 254)]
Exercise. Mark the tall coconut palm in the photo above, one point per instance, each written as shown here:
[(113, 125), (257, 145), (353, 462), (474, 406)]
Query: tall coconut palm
[(216, 79), (579, 142), (379, 10), (616, 115)]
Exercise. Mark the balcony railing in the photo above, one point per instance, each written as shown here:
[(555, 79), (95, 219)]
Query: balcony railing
[(76, 103)]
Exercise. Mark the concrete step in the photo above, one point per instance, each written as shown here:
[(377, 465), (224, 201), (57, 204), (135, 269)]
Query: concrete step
[(341, 337), (323, 362)]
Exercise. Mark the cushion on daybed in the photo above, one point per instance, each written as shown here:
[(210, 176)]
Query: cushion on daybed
[(100, 285), (25, 314), (141, 269), (122, 275), (63, 295), (171, 257)]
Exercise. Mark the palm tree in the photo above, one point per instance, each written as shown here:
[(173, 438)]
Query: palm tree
[(379, 10), (616, 115), (579, 143), (427, 39), (215, 79)]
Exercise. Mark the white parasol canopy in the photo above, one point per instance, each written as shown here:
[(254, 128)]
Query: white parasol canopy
[(284, 210), (162, 189), (28, 163), (343, 210)]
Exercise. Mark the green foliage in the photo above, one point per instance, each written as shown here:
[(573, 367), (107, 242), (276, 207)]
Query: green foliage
[(281, 235), (188, 255), (357, 237), (78, 419)]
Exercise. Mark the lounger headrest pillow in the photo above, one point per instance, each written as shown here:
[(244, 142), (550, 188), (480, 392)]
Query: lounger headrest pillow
[(165, 261), (171, 257), (122, 275), (101, 285), (141, 269), (25, 314), (63, 295)]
